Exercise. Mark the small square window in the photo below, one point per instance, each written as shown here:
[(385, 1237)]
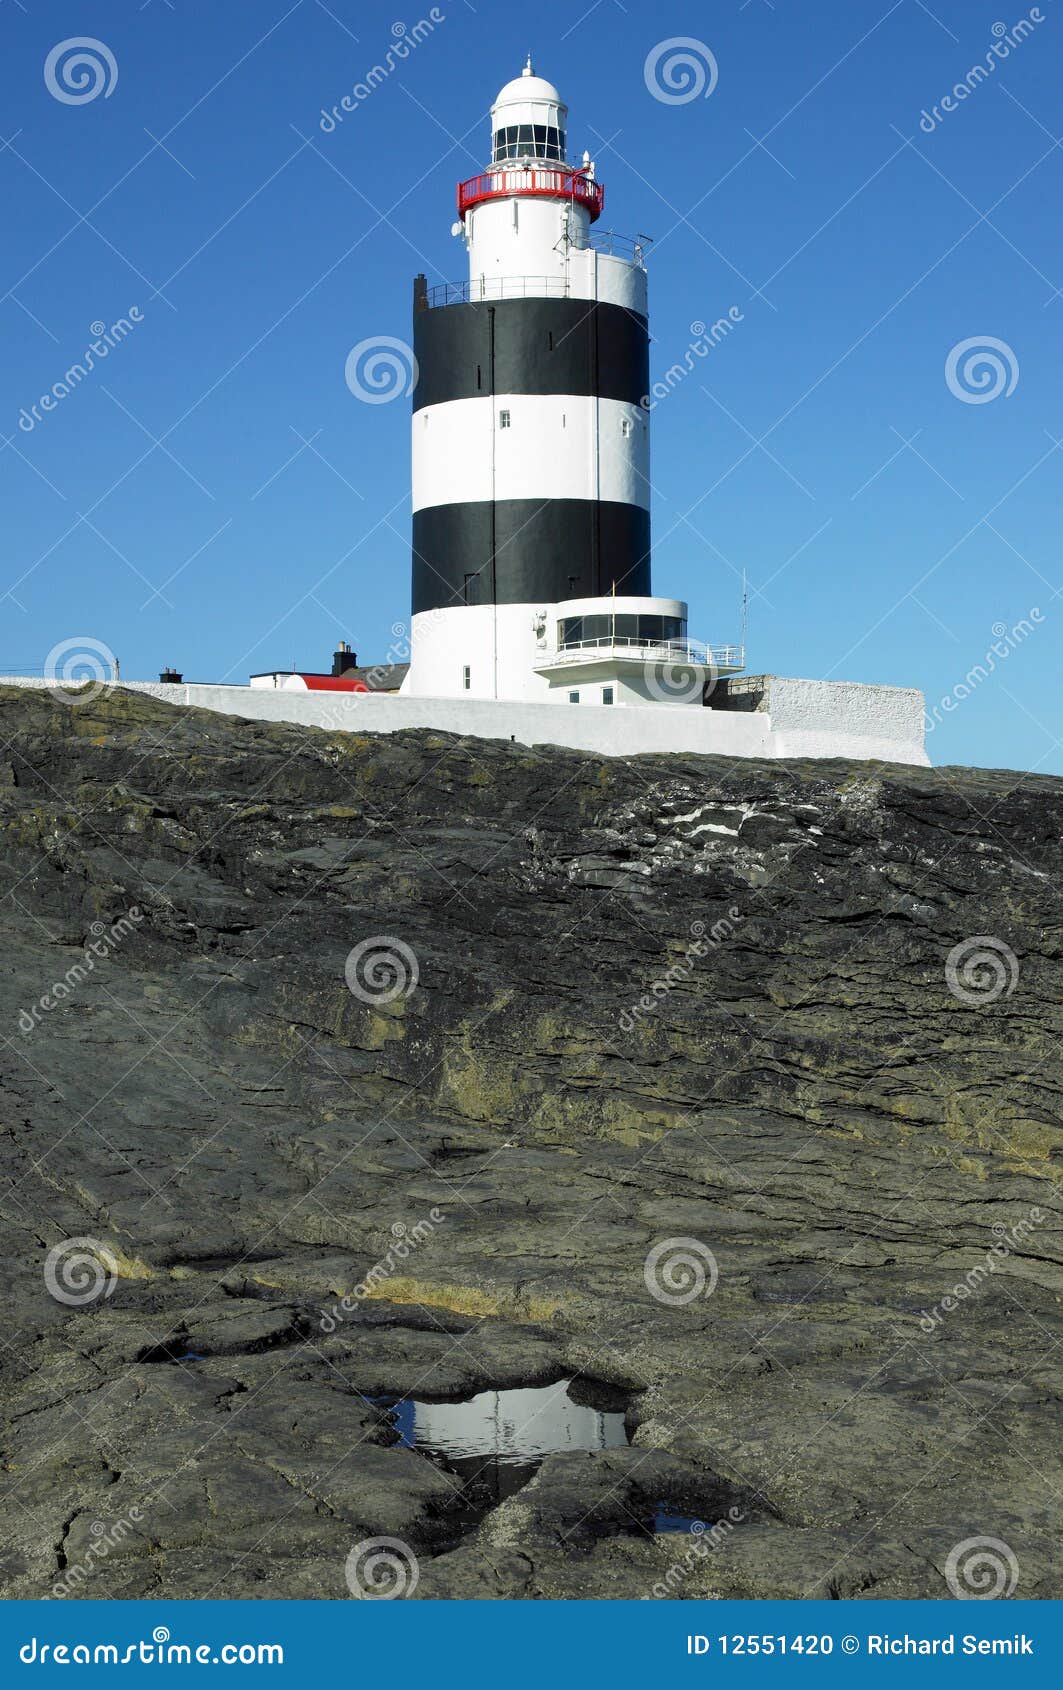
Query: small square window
[(466, 677), (607, 695), (625, 426), (503, 419), (573, 698)]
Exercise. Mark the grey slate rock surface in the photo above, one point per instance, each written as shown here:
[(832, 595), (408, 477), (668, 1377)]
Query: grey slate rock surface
[(657, 999)]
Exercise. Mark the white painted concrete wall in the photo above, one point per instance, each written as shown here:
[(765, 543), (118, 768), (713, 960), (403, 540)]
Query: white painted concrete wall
[(810, 719), (524, 241)]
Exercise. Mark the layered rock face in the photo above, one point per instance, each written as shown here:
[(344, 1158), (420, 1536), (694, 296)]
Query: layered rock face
[(734, 1087)]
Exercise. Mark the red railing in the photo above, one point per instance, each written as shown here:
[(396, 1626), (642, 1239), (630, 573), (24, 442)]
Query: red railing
[(539, 182)]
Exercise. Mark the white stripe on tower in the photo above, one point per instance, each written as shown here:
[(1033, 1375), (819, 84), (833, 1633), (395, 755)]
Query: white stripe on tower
[(530, 446)]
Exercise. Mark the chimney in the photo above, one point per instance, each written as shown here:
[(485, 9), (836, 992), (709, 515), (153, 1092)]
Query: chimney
[(343, 659)]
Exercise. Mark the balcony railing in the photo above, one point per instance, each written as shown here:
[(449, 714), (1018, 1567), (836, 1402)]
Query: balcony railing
[(497, 287), (532, 181), (616, 246), (721, 658)]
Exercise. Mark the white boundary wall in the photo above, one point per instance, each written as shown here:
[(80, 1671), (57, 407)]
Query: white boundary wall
[(796, 718)]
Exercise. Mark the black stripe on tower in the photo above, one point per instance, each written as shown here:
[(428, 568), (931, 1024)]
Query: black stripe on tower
[(544, 346), (544, 550)]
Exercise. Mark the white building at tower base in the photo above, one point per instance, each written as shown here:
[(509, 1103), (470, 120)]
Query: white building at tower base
[(764, 716)]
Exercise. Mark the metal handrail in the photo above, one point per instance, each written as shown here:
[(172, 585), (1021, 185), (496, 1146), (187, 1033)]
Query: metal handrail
[(615, 246), (682, 651), (498, 287)]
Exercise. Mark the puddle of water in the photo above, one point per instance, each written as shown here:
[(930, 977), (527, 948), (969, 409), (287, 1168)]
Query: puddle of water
[(496, 1441), (668, 1519)]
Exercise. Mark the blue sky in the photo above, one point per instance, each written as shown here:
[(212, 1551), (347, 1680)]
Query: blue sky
[(212, 495)]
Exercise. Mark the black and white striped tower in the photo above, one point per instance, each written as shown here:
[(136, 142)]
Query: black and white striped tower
[(531, 491)]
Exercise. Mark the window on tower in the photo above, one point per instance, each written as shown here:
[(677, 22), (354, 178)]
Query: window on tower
[(503, 419), (622, 628), (532, 140)]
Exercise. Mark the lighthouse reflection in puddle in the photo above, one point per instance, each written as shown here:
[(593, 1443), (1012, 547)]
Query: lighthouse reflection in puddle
[(496, 1441)]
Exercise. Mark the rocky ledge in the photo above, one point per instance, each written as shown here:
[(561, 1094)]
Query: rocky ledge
[(732, 1087)]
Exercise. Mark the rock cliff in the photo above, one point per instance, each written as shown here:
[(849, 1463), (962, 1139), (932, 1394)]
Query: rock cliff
[(413, 1066)]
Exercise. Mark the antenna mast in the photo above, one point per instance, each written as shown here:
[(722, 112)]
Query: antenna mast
[(745, 602)]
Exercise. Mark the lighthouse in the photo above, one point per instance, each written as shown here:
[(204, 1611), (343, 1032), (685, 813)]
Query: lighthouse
[(531, 450)]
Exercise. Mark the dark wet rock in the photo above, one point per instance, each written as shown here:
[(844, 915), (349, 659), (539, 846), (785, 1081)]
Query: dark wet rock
[(657, 999)]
